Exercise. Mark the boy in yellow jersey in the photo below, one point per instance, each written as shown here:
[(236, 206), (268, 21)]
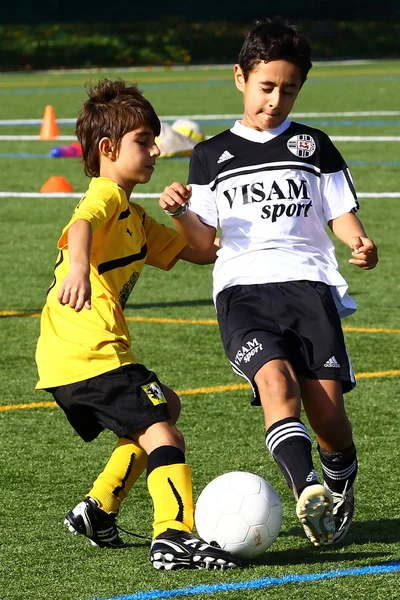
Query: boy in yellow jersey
[(84, 354)]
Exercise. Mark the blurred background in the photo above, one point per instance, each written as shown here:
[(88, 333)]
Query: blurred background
[(81, 34)]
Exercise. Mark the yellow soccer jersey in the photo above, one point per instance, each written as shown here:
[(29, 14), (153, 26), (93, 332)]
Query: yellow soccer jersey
[(74, 346)]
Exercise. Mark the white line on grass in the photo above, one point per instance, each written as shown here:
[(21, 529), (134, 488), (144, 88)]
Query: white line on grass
[(156, 195), (334, 138), (295, 115)]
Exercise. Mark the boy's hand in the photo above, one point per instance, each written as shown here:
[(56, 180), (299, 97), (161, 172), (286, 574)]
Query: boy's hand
[(365, 253), (174, 196), (76, 290)]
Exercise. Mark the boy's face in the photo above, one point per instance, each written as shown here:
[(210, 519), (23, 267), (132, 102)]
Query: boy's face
[(269, 93), (135, 159)]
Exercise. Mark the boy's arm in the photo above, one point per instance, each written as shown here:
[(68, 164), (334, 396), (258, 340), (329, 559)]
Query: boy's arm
[(348, 228), (198, 257), (198, 235), (75, 289)]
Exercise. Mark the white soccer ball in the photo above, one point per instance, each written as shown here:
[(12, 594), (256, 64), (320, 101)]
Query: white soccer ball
[(241, 512), (189, 129)]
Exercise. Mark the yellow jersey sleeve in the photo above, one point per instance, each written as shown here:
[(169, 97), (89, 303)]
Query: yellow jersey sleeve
[(97, 208), (163, 243)]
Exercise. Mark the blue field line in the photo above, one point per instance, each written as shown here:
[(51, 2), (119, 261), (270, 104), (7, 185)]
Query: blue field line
[(40, 90), (24, 155), (211, 83), (264, 582)]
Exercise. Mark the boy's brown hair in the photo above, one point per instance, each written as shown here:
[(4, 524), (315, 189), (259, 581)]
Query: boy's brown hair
[(274, 39), (112, 109)]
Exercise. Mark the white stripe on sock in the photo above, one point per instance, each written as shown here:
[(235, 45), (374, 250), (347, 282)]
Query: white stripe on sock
[(273, 441), (281, 433), (340, 475)]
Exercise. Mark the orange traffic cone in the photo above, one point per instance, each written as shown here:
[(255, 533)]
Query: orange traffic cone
[(56, 184), (49, 129)]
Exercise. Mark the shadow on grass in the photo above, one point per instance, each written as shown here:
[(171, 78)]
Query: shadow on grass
[(29, 312), (138, 544), (176, 303), (315, 556), (382, 531)]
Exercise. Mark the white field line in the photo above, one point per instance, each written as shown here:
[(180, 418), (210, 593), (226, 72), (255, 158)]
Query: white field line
[(156, 195), (365, 138), (295, 115), (334, 138)]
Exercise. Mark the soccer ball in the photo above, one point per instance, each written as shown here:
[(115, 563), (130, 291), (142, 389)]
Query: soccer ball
[(241, 512), (189, 129)]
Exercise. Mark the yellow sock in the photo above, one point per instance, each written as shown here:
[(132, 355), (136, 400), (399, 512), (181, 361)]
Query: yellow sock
[(170, 488), (125, 466)]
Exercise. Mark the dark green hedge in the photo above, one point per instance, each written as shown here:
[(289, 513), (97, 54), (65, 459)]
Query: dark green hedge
[(173, 41)]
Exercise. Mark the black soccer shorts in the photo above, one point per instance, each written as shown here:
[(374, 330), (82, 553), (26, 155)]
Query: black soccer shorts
[(124, 400), (297, 321)]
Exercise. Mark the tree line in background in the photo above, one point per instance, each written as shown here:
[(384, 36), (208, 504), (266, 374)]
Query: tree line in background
[(178, 41)]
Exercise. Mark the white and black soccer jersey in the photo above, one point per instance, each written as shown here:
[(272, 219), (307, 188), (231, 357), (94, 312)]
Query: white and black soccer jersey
[(272, 193)]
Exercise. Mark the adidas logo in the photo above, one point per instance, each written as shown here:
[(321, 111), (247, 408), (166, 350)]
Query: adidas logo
[(332, 362), (224, 156), (312, 476)]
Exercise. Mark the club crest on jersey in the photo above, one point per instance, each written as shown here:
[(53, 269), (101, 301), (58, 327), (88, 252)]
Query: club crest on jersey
[(301, 145)]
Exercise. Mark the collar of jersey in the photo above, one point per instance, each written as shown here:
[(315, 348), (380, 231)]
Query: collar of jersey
[(104, 181), (98, 183), (253, 135)]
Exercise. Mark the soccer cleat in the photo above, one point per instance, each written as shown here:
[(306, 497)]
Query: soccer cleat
[(315, 512), (343, 511), (180, 550), (89, 520)]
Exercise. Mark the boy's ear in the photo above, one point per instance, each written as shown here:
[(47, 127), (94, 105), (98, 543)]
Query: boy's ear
[(106, 148), (239, 77)]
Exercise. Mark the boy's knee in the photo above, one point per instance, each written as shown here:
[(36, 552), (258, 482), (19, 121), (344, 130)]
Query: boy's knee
[(278, 379), (163, 433), (173, 401)]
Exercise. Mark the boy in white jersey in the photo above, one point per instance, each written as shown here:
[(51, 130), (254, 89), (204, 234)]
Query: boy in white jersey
[(272, 185), (84, 355)]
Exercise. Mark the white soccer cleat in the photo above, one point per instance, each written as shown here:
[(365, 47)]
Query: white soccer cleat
[(315, 512)]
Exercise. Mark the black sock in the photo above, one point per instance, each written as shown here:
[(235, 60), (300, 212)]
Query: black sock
[(339, 468), (290, 445), (162, 456)]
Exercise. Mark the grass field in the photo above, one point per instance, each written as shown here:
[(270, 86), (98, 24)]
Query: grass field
[(44, 467)]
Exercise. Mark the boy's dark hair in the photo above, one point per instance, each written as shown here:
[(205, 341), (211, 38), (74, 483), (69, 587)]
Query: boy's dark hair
[(113, 109), (274, 39)]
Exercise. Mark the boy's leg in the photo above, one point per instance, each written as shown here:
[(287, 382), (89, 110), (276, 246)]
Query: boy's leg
[(290, 445), (127, 463), (95, 516), (169, 482), (324, 404)]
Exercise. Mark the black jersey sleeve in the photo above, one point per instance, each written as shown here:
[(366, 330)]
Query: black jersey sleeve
[(197, 171)]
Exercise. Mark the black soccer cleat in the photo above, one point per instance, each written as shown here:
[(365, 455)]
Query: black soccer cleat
[(343, 512), (175, 549), (98, 526)]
